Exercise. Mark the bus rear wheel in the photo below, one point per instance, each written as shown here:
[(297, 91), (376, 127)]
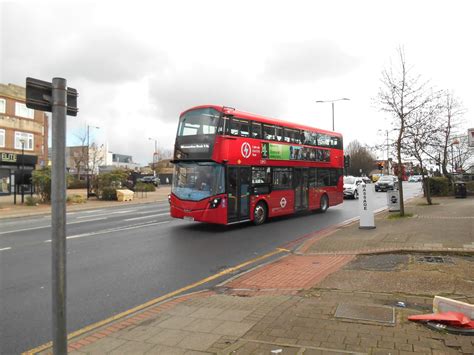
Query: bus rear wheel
[(323, 204), (260, 214)]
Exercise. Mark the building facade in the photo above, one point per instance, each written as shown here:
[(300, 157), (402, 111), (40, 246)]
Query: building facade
[(23, 138)]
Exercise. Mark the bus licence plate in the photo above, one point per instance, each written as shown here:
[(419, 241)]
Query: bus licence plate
[(188, 218)]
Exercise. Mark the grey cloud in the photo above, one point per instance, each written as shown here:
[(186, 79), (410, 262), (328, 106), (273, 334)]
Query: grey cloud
[(307, 61), (204, 85), (70, 47)]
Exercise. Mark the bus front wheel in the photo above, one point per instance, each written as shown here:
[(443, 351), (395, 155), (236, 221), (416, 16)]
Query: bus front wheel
[(323, 204), (260, 213)]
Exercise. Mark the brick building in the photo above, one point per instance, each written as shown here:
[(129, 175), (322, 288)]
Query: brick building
[(23, 138)]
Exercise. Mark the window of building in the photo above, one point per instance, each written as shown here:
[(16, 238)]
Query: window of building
[(256, 130), (282, 178), (268, 132), (2, 138), (3, 105), (22, 111), (27, 138)]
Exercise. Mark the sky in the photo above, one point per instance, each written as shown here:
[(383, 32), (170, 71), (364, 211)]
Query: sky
[(138, 64)]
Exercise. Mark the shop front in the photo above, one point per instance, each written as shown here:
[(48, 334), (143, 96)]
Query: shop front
[(15, 172)]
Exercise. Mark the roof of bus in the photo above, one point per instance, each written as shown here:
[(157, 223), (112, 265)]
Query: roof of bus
[(263, 119)]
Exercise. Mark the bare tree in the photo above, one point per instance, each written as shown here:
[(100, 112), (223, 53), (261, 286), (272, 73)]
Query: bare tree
[(79, 156), (361, 159), (453, 111), (417, 140), (461, 153), (96, 157), (402, 96)]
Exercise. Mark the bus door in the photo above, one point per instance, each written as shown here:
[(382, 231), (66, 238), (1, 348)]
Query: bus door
[(238, 192), (301, 185)]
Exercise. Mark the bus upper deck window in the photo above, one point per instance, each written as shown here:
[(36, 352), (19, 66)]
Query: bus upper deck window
[(256, 130)]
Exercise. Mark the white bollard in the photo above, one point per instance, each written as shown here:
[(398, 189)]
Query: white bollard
[(366, 206)]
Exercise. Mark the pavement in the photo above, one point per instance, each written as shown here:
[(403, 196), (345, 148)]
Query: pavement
[(334, 293), (10, 210)]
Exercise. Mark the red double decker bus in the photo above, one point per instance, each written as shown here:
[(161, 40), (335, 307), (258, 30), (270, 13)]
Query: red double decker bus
[(233, 166)]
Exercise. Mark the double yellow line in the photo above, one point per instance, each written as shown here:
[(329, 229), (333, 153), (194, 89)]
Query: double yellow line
[(158, 299)]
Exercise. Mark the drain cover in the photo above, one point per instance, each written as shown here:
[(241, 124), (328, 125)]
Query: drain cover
[(377, 314), (434, 259)]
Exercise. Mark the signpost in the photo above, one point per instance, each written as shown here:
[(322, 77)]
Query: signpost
[(57, 98), (366, 206), (393, 201)]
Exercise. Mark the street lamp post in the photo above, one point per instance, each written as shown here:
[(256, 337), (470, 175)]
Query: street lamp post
[(452, 155), (154, 154), (332, 105), (388, 150), (87, 164), (22, 169)]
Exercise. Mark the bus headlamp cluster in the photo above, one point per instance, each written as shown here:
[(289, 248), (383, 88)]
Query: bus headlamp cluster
[(215, 202)]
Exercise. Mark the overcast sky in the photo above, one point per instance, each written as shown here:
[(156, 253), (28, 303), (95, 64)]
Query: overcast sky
[(138, 64)]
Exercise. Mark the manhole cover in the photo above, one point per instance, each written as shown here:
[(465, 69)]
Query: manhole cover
[(377, 314), (434, 259)]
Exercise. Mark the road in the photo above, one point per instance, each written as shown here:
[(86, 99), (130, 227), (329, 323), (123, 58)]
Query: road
[(120, 257)]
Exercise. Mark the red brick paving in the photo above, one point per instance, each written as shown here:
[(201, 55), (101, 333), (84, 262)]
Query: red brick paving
[(291, 272)]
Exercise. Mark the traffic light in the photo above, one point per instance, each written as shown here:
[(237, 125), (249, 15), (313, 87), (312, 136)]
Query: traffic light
[(347, 161), (380, 166)]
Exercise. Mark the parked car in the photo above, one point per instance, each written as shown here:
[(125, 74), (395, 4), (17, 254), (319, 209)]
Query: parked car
[(350, 186), (150, 180), (386, 182), (415, 178)]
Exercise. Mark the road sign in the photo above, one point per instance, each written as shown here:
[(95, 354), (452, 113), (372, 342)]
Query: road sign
[(393, 200), (39, 95)]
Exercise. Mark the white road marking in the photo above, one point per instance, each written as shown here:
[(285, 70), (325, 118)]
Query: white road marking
[(49, 226), (111, 230), (151, 216), (108, 214), (92, 211), (88, 220), (8, 248), (24, 229), (154, 211)]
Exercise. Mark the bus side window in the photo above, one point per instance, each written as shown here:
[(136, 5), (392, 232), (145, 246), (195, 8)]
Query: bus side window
[(245, 129), (279, 133), (234, 127), (256, 130), (312, 177), (268, 132), (323, 177), (282, 178)]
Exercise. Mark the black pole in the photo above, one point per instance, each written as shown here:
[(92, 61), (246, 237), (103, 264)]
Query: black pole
[(22, 171), (87, 165)]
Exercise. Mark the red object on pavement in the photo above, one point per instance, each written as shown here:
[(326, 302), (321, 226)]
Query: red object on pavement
[(450, 318)]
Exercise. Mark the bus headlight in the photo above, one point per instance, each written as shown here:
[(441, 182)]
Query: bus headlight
[(169, 199), (215, 202)]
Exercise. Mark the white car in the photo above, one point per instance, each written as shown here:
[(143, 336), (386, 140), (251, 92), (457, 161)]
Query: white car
[(415, 178), (350, 186)]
